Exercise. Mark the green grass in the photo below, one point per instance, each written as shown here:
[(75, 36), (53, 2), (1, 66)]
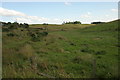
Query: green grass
[(68, 51)]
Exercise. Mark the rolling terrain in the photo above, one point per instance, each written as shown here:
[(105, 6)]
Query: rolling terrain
[(61, 51)]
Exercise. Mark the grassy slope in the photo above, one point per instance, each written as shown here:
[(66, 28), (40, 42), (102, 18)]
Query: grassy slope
[(75, 52), (52, 27)]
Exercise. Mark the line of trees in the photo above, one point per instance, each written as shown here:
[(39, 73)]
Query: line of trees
[(74, 22), (97, 22), (15, 25)]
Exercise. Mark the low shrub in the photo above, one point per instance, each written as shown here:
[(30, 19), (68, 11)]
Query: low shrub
[(10, 34), (38, 35), (72, 44), (77, 59), (100, 52), (35, 39), (5, 30), (87, 50)]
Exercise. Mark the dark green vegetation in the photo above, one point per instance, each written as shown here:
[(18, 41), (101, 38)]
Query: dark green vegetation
[(75, 22), (97, 22), (8, 26), (65, 51)]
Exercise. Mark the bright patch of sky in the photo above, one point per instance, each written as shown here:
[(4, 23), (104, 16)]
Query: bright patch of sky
[(57, 12)]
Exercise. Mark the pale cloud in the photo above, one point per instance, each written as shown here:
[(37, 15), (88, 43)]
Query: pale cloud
[(87, 15), (114, 10), (13, 15), (106, 15), (67, 3), (104, 18), (22, 20), (6, 12)]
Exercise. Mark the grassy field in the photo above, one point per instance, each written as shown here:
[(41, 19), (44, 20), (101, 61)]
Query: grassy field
[(67, 51)]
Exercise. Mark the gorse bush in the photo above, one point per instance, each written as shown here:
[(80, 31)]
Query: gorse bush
[(11, 34), (5, 30), (87, 50), (25, 25), (14, 25), (44, 33), (100, 52), (38, 35)]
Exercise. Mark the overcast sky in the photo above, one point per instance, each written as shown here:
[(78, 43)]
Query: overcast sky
[(57, 12)]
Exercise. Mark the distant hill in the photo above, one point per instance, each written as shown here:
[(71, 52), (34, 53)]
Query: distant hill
[(109, 26)]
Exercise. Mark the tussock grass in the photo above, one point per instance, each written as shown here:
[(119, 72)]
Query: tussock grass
[(27, 51)]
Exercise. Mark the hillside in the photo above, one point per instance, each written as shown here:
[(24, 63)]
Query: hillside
[(61, 51), (109, 26)]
